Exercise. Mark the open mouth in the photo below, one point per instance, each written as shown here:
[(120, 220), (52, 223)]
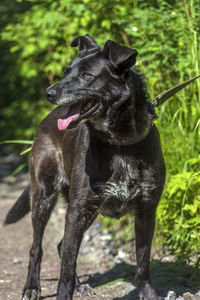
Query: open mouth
[(77, 112)]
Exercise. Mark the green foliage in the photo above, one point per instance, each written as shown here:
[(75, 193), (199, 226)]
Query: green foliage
[(35, 38), (179, 213), (124, 228)]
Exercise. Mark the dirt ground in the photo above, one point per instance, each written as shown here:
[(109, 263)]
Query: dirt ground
[(111, 275)]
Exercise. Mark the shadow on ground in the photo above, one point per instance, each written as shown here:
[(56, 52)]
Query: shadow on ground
[(165, 277)]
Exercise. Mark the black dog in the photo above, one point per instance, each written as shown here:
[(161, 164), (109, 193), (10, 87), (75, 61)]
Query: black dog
[(102, 150)]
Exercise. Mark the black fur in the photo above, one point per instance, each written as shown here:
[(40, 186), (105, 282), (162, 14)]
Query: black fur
[(108, 157), (20, 208)]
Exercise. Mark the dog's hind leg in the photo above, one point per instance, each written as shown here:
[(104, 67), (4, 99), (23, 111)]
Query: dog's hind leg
[(144, 229)]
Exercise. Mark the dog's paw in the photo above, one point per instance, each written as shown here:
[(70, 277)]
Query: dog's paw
[(149, 296), (33, 294), (84, 290)]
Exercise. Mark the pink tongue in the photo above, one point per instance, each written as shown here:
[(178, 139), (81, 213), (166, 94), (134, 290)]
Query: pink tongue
[(72, 115)]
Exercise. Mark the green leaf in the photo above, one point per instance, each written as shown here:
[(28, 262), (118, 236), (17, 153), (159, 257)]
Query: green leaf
[(17, 142)]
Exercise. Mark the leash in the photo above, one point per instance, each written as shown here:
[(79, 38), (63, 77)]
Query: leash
[(161, 98)]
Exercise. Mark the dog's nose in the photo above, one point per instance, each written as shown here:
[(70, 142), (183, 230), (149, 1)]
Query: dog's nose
[(51, 94)]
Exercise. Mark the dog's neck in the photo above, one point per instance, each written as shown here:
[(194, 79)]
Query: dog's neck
[(126, 126), (131, 122)]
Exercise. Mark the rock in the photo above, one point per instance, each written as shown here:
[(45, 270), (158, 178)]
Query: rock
[(121, 254), (107, 251), (197, 295), (87, 237), (188, 296), (10, 179), (61, 211), (171, 296), (5, 281), (17, 260), (167, 258), (106, 237), (119, 261), (84, 290)]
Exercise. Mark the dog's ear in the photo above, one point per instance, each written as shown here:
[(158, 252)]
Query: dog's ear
[(85, 44), (121, 57)]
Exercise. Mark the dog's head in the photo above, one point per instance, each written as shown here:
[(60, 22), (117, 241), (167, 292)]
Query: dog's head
[(94, 82)]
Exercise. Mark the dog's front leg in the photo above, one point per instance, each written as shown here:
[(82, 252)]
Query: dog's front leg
[(78, 219), (42, 206), (144, 229)]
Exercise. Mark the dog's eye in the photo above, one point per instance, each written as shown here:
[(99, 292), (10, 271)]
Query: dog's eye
[(86, 75)]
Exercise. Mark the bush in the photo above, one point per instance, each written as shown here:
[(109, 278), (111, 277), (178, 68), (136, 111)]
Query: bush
[(178, 214)]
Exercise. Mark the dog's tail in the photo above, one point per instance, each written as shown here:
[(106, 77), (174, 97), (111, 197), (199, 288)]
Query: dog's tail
[(20, 208)]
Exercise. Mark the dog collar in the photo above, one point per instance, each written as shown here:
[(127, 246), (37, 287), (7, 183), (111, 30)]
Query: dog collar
[(133, 140), (141, 136), (138, 138), (128, 142)]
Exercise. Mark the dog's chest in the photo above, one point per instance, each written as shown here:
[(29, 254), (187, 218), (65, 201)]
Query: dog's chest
[(119, 194)]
